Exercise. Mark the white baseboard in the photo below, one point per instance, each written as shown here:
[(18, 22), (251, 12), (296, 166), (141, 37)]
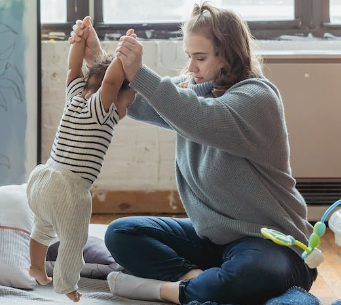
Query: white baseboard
[(315, 213)]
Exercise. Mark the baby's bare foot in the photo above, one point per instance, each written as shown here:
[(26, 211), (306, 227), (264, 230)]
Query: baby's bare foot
[(40, 276), (74, 296)]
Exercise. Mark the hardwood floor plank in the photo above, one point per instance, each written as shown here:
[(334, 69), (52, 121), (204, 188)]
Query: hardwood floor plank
[(327, 287)]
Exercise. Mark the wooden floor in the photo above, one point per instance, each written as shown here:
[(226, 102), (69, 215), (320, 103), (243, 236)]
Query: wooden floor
[(327, 287)]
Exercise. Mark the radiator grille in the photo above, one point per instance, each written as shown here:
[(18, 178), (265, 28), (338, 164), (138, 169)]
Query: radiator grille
[(320, 192)]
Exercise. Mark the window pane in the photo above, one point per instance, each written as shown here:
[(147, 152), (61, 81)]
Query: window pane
[(261, 9), (53, 11), (335, 11), (147, 11), (151, 11)]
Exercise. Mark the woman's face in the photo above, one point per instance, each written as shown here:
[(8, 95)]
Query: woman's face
[(204, 65)]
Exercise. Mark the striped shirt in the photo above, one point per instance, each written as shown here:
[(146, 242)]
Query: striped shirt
[(84, 133)]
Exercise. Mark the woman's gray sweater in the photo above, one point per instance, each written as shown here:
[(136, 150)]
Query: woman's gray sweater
[(232, 155)]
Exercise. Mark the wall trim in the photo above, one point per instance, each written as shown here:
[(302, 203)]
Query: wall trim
[(136, 202)]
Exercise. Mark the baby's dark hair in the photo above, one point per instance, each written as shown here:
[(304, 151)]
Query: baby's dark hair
[(98, 69)]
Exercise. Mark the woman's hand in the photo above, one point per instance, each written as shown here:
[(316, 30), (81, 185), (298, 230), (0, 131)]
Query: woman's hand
[(92, 43), (129, 51)]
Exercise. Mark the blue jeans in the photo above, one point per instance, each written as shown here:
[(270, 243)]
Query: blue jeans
[(246, 271)]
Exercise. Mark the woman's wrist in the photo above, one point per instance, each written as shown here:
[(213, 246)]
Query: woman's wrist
[(133, 75)]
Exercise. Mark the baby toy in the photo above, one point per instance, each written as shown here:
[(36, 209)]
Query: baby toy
[(311, 255)]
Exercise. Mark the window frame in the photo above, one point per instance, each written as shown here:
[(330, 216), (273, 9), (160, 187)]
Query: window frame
[(75, 9), (325, 12), (311, 18)]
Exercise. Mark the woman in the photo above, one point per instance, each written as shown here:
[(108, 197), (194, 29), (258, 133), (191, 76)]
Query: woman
[(232, 170)]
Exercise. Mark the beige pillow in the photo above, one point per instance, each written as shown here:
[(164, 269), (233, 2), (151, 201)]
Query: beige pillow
[(16, 221)]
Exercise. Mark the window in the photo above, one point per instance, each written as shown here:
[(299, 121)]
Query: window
[(114, 11), (147, 11), (162, 19), (267, 19), (261, 10), (53, 11), (58, 16), (335, 11)]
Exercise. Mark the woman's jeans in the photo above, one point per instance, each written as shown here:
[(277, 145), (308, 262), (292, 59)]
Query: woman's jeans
[(246, 271)]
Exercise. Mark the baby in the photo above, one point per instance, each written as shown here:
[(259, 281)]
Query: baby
[(59, 191)]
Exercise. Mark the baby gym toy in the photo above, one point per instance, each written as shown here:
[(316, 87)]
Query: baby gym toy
[(312, 256)]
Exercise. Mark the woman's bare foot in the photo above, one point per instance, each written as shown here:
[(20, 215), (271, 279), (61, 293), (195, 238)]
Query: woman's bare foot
[(40, 276), (74, 296)]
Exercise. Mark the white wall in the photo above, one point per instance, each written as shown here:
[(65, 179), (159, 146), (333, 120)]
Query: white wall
[(141, 157)]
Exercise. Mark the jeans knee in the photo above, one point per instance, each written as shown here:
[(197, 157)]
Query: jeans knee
[(112, 239), (119, 238)]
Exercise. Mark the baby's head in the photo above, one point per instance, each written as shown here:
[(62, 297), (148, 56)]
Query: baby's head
[(96, 74), (97, 71)]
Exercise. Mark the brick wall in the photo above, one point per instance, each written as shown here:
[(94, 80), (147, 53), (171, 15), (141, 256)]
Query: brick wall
[(141, 157)]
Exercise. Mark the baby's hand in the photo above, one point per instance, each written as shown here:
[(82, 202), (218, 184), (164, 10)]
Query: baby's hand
[(78, 28), (131, 33), (74, 296), (85, 35), (92, 43)]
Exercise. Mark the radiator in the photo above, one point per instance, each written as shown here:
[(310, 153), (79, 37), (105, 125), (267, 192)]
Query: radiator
[(310, 86)]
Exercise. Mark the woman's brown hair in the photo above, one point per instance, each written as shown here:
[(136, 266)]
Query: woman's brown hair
[(232, 42)]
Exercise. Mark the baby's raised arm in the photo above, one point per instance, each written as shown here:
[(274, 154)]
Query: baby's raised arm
[(113, 80), (112, 83), (75, 60)]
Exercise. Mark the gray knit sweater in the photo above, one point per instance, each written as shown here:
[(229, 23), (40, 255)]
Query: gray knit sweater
[(232, 155)]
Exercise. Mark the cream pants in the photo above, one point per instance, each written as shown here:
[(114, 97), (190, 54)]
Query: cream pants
[(61, 202)]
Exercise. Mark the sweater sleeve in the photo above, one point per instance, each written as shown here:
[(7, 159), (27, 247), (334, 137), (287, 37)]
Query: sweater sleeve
[(243, 121), (141, 110)]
